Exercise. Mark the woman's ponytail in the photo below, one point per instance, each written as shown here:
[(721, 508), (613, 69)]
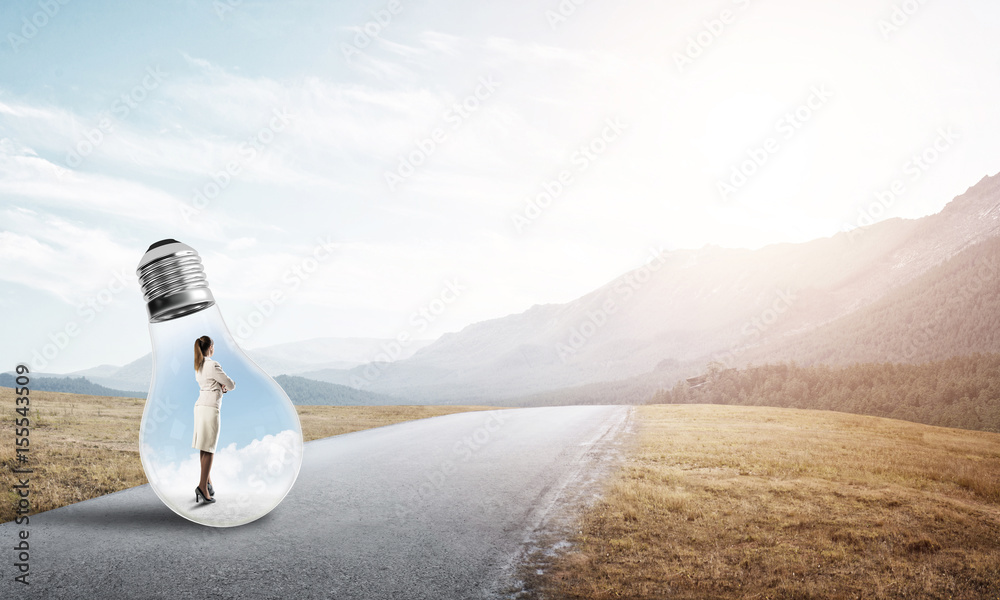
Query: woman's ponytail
[(201, 346)]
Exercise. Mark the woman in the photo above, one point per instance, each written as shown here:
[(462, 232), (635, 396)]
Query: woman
[(213, 382)]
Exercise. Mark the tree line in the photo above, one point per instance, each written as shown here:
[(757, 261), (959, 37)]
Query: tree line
[(961, 392)]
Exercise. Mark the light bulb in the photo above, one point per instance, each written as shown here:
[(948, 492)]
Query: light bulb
[(259, 449)]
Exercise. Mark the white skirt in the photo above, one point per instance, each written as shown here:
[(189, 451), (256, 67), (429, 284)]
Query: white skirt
[(206, 428)]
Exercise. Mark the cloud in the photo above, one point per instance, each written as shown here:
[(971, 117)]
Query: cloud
[(263, 464), (248, 482), (63, 258), (199, 120), (29, 112), (24, 174)]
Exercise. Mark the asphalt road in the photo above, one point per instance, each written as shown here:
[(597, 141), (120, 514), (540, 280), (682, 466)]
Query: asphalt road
[(439, 508)]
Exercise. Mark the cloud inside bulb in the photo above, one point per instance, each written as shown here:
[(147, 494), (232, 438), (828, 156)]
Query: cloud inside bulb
[(248, 481), (261, 460)]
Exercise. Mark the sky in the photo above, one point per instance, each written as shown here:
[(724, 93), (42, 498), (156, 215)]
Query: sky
[(401, 167)]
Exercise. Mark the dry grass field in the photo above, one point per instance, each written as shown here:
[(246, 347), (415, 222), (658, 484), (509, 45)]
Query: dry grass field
[(87, 446), (727, 502)]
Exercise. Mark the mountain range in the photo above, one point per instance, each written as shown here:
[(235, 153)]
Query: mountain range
[(859, 295), (900, 290), (281, 359)]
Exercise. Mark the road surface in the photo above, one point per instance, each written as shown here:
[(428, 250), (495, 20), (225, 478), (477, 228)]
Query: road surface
[(438, 508)]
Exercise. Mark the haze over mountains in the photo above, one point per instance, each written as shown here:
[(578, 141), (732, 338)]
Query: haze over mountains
[(281, 359), (899, 290), (728, 305)]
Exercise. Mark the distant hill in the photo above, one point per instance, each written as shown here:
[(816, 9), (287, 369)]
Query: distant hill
[(292, 358), (300, 390), (304, 391), (328, 352), (952, 310), (901, 290), (689, 306), (69, 385)]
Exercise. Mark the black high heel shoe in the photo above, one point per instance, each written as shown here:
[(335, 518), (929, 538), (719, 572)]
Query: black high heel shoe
[(210, 490), (200, 494)]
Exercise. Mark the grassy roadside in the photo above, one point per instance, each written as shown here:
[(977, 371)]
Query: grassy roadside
[(727, 502), (87, 446)]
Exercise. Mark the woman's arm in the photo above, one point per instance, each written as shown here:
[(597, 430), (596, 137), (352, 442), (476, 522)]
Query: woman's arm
[(223, 379)]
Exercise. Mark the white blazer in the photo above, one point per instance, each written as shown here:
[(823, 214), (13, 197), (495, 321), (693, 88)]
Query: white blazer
[(210, 379)]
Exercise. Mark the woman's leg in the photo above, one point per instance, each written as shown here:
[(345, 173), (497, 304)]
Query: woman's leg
[(206, 466)]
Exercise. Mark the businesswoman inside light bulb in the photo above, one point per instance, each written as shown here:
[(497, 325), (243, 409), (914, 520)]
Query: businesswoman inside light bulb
[(213, 383)]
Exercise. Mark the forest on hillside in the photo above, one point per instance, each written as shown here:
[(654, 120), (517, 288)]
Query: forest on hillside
[(69, 385), (959, 392), (952, 310)]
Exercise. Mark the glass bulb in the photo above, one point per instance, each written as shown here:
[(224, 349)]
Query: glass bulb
[(259, 449)]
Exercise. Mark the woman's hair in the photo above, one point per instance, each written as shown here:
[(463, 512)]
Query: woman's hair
[(201, 346)]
